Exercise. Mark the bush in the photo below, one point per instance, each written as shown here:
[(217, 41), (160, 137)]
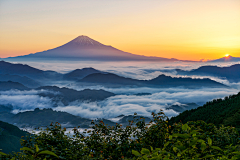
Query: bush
[(191, 140)]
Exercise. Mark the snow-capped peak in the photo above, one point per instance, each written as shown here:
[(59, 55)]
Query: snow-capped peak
[(85, 41)]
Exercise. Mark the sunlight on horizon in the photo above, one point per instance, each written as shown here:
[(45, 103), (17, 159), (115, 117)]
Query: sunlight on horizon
[(186, 30)]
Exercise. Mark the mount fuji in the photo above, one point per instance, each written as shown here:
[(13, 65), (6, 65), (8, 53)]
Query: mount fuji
[(87, 49)]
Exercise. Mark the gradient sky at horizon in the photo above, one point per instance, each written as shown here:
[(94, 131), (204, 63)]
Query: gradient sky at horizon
[(182, 29)]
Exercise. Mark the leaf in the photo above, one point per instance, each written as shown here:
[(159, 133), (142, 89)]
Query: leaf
[(151, 148), (166, 144), (179, 155), (136, 153), (203, 146), (37, 149), (185, 127), (194, 132), (217, 148), (175, 149), (209, 141), (184, 136), (145, 151), (145, 157), (181, 135), (48, 152), (4, 154), (193, 143), (208, 156), (26, 149), (170, 137)]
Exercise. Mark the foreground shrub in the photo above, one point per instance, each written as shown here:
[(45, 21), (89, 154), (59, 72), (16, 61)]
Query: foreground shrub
[(191, 143), (154, 140)]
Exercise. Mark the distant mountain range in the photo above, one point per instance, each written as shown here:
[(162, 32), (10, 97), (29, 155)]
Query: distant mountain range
[(63, 95), (226, 59), (4, 86), (80, 73), (66, 95), (84, 48), (231, 73), (93, 76), (44, 117), (110, 79)]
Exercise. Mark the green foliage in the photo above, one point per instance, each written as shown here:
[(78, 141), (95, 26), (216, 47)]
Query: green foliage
[(189, 143), (29, 154), (138, 140), (10, 136)]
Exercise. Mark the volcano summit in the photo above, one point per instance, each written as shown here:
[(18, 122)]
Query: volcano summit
[(85, 48)]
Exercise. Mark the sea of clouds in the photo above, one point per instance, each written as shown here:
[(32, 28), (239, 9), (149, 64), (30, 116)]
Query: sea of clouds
[(125, 102)]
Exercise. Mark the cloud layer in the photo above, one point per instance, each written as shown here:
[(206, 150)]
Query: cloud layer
[(120, 104)]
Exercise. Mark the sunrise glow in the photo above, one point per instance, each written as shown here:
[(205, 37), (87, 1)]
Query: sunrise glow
[(187, 29)]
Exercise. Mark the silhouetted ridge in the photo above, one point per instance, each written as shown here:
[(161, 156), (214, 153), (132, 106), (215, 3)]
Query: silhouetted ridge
[(161, 81), (108, 78), (80, 73), (67, 95), (231, 72), (4, 86)]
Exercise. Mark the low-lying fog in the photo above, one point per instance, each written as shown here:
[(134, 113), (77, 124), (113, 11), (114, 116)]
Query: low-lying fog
[(125, 102)]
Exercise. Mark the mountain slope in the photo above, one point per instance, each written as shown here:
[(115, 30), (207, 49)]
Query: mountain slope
[(28, 71), (4, 86), (85, 48), (42, 118), (231, 73), (219, 111), (28, 82), (67, 95), (80, 73), (10, 136)]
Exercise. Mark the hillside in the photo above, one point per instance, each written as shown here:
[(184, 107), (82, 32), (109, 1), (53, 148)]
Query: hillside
[(219, 111), (4, 86), (66, 95), (80, 73), (10, 136), (28, 82), (44, 117)]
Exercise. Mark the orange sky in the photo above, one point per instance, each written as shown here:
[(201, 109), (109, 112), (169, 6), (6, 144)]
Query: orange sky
[(182, 29)]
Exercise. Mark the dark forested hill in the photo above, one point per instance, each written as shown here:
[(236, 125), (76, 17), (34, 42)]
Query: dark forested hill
[(219, 111), (28, 82), (44, 117), (66, 95), (4, 86), (80, 73), (10, 136)]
